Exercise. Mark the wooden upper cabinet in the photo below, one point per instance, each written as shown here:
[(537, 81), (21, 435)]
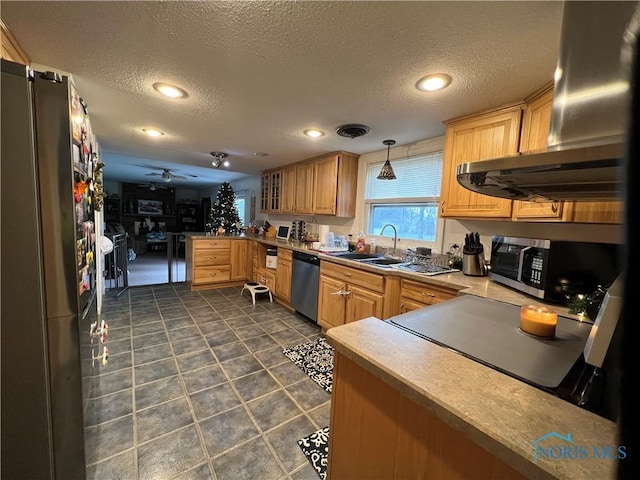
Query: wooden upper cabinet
[(11, 49), (275, 190), (324, 185), (325, 172), (335, 178), (264, 192), (288, 194), (535, 130), (304, 188), (271, 191), (536, 121), (484, 136), (595, 212)]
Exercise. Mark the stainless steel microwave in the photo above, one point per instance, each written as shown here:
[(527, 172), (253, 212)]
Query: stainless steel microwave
[(553, 271)]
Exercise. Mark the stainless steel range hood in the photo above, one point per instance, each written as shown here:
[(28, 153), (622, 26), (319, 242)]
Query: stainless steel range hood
[(588, 120)]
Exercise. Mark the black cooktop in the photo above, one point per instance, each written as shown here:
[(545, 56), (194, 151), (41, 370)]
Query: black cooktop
[(487, 331)]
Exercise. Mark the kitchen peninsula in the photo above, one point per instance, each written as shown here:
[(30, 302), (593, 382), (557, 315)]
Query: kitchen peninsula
[(403, 407)]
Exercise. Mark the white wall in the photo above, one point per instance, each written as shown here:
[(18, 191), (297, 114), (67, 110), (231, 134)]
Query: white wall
[(250, 187)]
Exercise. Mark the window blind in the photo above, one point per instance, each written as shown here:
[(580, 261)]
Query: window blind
[(417, 178)]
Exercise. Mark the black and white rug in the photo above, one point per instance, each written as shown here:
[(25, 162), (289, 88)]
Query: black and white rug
[(316, 449), (315, 359)]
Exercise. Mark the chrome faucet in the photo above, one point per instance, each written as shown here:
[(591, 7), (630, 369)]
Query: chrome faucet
[(395, 237)]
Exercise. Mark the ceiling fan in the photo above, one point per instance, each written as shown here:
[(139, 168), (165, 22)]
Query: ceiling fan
[(167, 176)]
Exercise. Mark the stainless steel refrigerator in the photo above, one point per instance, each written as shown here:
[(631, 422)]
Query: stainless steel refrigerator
[(47, 272)]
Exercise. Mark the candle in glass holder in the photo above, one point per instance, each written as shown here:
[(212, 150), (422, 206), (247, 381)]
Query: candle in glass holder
[(539, 321)]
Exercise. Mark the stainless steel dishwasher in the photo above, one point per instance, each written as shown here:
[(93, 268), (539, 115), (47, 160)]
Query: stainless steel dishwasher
[(304, 284)]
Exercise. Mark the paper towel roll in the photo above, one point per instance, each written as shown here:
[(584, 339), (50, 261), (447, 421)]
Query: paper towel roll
[(322, 232)]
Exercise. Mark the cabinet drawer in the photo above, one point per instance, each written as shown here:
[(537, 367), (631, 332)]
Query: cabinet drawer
[(211, 274), (212, 257), (409, 306), (353, 276), (285, 254), (425, 293), (211, 243)]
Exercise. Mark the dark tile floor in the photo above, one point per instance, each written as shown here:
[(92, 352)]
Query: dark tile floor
[(197, 387)]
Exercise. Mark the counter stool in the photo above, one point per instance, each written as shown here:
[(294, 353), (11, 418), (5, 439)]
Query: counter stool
[(254, 288)]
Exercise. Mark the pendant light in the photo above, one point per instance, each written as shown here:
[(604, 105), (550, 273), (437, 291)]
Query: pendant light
[(386, 172)]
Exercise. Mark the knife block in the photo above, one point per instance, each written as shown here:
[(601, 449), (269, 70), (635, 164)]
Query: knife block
[(473, 264)]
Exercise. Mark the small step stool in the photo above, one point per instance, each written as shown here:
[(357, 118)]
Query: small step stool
[(254, 288)]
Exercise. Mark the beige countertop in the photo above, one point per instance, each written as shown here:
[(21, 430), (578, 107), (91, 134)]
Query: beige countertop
[(503, 415), (465, 285)]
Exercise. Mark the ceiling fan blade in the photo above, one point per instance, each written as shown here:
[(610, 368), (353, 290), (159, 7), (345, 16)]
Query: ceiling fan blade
[(154, 174), (178, 177)]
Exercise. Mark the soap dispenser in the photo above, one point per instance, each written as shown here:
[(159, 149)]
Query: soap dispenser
[(360, 243)]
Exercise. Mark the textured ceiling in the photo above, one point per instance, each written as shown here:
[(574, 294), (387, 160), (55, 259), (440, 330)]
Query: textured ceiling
[(259, 73)]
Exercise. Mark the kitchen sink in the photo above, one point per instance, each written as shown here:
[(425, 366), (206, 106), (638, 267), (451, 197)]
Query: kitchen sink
[(381, 261), (426, 269), (355, 256)]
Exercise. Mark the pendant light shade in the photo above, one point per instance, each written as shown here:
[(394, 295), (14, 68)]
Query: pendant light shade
[(386, 172)]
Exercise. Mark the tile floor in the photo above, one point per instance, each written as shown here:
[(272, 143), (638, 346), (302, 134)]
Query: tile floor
[(197, 387)]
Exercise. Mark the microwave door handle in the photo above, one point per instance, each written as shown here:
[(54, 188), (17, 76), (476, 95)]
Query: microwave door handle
[(521, 262)]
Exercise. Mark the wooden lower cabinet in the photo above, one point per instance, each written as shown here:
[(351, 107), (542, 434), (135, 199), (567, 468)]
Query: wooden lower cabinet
[(331, 303), (415, 295), (213, 262), (283, 274), (377, 432), (239, 252), (362, 303), (409, 305), (208, 261), (348, 294), (267, 277)]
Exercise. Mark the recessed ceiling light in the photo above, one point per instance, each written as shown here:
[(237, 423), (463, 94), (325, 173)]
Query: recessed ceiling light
[(169, 90), (152, 132), (314, 133), (430, 83)]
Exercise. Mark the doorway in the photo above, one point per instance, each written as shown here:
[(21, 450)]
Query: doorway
[(158, 262)]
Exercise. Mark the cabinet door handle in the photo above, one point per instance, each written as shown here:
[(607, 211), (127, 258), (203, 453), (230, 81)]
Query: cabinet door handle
[(442, 207), (554, 206), (427, 294), (341, 292), (346, 274)]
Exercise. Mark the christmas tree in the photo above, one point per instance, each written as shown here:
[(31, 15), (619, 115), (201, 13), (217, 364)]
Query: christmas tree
[(224, 212)]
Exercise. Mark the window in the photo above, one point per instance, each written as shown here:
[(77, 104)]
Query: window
[(410, 202), (239, 203)]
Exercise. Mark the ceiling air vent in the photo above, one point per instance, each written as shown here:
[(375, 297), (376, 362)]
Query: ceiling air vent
[(352, 130)]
